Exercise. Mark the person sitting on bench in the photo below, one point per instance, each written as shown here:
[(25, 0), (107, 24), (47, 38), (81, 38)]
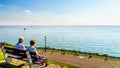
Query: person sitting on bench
[(19, 45), (31, 48)]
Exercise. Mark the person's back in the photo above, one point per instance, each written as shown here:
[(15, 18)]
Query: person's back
[(31, 48), (40, 58), (19, 45)]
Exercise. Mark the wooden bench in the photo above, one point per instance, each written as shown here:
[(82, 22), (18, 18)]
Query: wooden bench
[(30, 57)]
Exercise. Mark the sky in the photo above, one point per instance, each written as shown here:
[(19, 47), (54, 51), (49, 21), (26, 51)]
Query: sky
[(59, 12)]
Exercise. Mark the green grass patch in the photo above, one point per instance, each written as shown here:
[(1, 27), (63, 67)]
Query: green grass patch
[(61, 64), (5, 43), (1, 55)]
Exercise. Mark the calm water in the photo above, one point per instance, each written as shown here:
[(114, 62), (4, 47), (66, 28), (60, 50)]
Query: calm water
[(101, 39)]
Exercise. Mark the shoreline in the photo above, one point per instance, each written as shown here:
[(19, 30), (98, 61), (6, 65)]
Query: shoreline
[(68, 51)]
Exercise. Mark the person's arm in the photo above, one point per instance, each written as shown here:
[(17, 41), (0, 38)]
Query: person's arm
[(24, 47)]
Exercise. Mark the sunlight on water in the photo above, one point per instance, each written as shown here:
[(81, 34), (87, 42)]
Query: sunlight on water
[(101, 39)]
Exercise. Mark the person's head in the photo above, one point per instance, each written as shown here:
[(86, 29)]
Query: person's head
[(32, 42), (21, 39)]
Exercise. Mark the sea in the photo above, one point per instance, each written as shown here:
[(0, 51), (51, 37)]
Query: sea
[(91, 39)]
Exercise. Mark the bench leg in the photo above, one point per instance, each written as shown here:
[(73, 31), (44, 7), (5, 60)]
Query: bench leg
[(7, 59), (46, 63), (30, 60), (32, 65)]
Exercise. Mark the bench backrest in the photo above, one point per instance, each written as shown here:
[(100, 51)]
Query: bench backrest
[(33, 55), (12, 50), (18, 52)]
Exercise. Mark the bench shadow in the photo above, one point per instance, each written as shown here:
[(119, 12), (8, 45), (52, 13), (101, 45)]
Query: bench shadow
[(7, 65)]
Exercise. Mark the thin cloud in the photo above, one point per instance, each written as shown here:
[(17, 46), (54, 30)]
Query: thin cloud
[(103, 14), (27, 12)]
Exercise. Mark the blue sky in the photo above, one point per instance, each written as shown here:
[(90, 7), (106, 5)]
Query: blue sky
[(59, 12)]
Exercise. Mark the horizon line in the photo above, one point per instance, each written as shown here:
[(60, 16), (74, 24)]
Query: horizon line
[(64, 25)]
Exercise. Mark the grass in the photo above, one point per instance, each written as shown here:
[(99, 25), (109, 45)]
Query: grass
[(50, 61), (1, 55), (5, 43), (61, 64)]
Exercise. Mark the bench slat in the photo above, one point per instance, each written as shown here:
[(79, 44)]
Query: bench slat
[(14, 56)]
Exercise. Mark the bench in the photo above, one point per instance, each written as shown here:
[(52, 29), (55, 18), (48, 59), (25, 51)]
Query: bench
[(30, 57)]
